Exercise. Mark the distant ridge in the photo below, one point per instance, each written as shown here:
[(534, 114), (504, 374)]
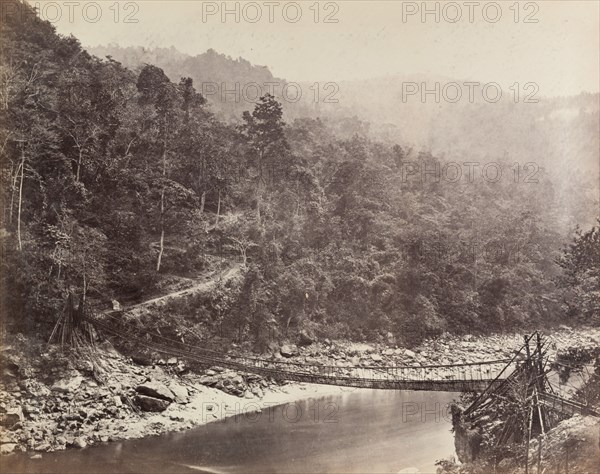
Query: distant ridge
[(209, 70)]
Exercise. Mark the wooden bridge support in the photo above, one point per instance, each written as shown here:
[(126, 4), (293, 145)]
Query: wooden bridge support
[(536, 408)]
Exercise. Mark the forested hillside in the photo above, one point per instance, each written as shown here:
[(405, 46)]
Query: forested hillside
[(220, 77), (555, 132), (114, 181)]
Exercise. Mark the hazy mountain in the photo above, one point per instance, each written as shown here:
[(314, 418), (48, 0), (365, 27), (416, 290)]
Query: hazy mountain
[(558, 134), (227, 83)]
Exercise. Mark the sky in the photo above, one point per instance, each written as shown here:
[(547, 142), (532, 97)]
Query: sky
[(552, 43)]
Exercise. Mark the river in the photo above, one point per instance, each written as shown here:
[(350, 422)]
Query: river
[(357, 431)]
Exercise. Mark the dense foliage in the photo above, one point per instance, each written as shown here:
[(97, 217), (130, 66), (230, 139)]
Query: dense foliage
[(114, 182)]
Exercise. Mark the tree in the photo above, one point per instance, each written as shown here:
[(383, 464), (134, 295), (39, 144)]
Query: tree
[(581, 279), (156, 90), (264, 132)]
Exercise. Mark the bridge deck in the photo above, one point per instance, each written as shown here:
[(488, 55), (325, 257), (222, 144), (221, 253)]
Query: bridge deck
[(448, 378), (486, 377)]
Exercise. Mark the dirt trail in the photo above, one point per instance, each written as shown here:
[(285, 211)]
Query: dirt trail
[(218, 277)]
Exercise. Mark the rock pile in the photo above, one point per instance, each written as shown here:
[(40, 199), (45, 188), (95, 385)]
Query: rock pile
[(156, 397), (247, 385), (52, 407)]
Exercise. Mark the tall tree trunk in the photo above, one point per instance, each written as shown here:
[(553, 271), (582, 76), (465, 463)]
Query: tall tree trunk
[(202, 202), (20, 244), (13, 192), (259, 185), (258, 203), (85, 284), (218, 209), (79, 165), (162, 208), (162, 247)]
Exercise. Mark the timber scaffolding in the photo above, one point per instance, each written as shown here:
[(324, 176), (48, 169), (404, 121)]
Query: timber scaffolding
[(486, 377), (526, 402), (530, 378)]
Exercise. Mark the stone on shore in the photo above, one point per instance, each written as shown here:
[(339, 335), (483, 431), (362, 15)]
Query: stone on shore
[(11, 417), (151, 404), (7, 448), (155, 390), (180, 392), (288, 350), (80, 442)]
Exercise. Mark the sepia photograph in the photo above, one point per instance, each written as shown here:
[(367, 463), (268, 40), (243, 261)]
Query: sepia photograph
[(299, 237)]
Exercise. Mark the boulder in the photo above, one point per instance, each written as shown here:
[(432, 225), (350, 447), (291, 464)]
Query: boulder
[(155, 390), (388, 352), (7, 448), (258, 392), (80, 442), (410, 354), (151, 404), (288, 350), (209, 380), (304, 339), (9, 368), (67, 385), (43, 446), (228, 381), (141, 359), (180, 392), (116, 306), (85, 366), (11, 417), (36, 389), (376, 358)]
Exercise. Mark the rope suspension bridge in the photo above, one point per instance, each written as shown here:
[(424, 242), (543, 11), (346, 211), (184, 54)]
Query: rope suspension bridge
[(491, 379), (524, 391)]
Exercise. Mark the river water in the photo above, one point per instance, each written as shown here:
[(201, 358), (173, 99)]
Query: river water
[(357, 431)]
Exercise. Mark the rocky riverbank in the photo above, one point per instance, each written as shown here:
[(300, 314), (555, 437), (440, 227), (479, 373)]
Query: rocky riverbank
[(572, 446), (50, 400)]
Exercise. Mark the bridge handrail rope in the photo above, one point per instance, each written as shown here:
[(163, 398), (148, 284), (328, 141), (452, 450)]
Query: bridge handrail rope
[(384, 377), (310, 373), (550, 400), (297, 364), (583, 366)]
